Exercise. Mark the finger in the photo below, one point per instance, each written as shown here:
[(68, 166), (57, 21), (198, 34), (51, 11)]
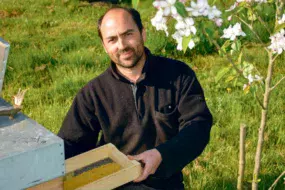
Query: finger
[(146, 172), (136, 157), (130, 157)]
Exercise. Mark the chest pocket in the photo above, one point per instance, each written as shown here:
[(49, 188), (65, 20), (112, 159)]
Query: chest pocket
[(166, 111)]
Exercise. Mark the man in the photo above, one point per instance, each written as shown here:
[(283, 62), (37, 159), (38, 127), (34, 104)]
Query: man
[(150, 107)]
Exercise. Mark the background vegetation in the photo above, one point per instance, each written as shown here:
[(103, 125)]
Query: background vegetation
[(55, 50)]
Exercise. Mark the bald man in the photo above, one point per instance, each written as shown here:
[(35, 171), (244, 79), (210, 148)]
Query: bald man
[(151, 108)]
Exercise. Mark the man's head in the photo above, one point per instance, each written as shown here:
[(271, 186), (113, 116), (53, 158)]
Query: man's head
[(123, 36)]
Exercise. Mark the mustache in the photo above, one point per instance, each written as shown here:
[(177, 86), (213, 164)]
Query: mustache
[(124, 50)]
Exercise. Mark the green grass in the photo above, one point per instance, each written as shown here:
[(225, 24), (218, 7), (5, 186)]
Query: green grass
[(55, 50)]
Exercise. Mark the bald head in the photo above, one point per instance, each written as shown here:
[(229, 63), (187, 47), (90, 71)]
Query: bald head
[(124, 13)]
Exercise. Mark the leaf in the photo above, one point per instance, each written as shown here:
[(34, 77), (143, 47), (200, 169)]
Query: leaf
[(135, 3), (221, 53), (253, 89), (230, 78), (238, 45), (185, 42), (210, 32), (241, 8), (226, 45), (181, 9), (250, 15), (239, 58), (222, 73)]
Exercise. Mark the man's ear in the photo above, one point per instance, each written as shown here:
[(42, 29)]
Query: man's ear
[(144, 34)]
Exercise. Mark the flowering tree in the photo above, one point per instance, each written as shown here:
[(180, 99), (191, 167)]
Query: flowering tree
[(242, 14)]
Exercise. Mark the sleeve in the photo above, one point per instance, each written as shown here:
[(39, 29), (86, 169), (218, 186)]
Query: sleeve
[(80, 127), (195, 121)]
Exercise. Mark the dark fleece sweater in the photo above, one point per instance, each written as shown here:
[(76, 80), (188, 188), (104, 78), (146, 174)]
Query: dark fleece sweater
[(165, 109)]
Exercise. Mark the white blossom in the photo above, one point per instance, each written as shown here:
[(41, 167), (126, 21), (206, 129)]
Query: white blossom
[(218, 21), (159, 22), (278, 42), (185, 27), (282, 20), (232, 7), (191, 44), (213, 12), (167, 6), (199, 9), (252, 78), (249, 1), (239, 1), (261, 1), (178, 39), (202, 8), (232, 32), (230, 18)]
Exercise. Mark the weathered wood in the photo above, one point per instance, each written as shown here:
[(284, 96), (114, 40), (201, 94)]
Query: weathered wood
[(241, 156), (55, 184), (107, 166)]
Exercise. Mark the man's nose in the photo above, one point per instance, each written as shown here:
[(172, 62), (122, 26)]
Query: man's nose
[(121, 44)]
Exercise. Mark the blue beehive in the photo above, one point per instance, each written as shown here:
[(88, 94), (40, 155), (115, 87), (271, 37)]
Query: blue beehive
[(29, 153)]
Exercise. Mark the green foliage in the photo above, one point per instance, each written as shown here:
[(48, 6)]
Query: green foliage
[(135, 3), (181, 9), (185, 42)]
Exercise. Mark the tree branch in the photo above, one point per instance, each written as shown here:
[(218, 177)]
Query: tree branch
[(275, 57), (272, 88), (250, 27), (276, 181), (219, 48), (264, 24), (259, 102)]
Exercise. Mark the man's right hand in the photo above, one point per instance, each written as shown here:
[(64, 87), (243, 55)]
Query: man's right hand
[(151, 160)]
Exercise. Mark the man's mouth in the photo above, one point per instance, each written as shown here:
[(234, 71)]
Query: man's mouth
[(126, 54)]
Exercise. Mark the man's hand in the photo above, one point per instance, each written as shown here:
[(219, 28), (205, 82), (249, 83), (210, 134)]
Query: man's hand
[(151, 160)]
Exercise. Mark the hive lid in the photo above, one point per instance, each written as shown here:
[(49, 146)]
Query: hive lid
[(22, 134)]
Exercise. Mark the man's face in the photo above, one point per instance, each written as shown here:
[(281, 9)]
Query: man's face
[(122, 39)]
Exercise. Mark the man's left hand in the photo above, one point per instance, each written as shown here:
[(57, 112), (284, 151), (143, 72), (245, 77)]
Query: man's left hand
[(151, 160)]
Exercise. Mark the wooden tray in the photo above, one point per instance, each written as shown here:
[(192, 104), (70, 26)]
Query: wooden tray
[(100, 169)]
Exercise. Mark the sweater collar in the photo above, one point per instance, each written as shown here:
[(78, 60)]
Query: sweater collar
[(145, 69)]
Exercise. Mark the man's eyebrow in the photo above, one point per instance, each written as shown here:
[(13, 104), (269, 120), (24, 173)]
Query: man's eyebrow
[(121, 34)]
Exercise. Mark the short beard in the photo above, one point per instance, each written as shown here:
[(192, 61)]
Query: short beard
[(136, 60)]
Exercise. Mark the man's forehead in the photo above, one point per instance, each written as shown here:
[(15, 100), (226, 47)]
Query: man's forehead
[(116, 22), (116, 15)]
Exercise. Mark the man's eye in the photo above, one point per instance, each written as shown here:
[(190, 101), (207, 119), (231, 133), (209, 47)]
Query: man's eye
[(129, 34)]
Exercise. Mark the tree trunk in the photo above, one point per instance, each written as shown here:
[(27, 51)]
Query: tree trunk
[(262, 123)]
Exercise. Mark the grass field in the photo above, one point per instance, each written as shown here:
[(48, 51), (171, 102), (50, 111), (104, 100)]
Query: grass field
[(55, 50)]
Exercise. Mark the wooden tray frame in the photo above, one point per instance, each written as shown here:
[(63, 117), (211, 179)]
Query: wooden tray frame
[(131, 169)]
